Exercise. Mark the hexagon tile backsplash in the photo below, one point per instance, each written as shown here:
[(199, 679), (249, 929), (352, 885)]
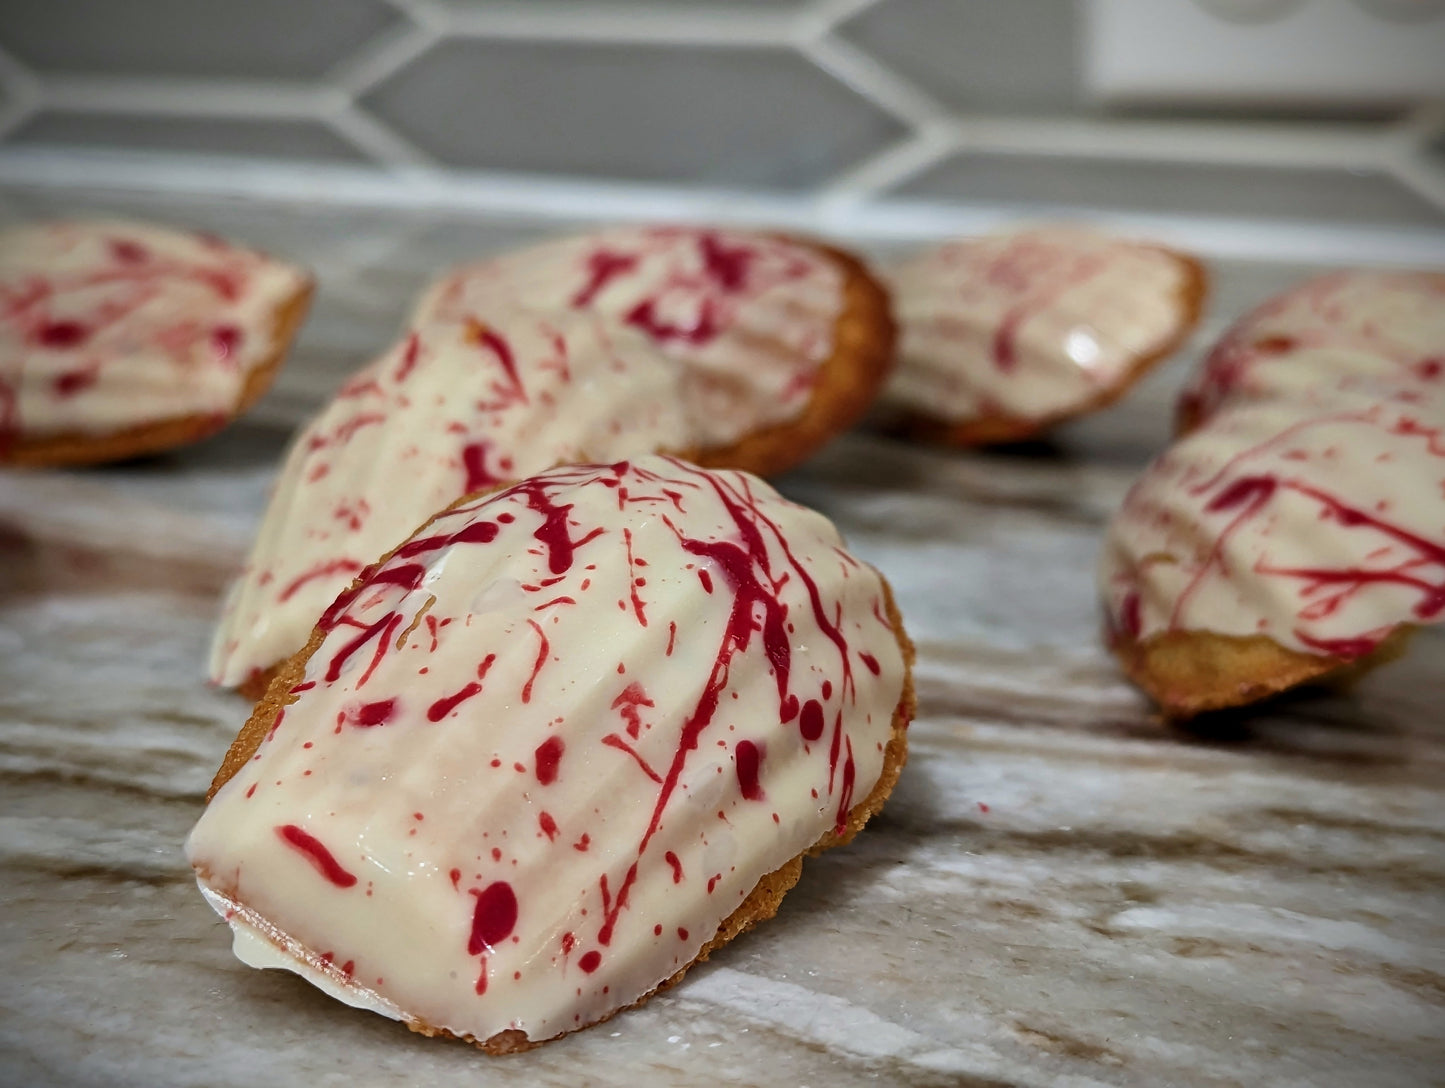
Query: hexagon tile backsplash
[(1028, 105)]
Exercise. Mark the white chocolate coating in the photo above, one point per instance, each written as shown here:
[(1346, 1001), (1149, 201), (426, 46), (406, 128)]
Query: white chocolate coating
[(1346, 327), (750, 315), (1030, 325), (555, 740), (452, 409), (107, 325), (1308, 506), (609, 345)]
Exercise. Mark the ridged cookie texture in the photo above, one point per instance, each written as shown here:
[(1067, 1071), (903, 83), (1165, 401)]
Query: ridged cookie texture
[(1299, 527), (452, 409), (1003, 335), (751, 315), (736, 349), (120, 338), (1338, 332), (555, 747)]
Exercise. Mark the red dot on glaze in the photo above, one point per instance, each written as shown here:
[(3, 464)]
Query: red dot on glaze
[(127, 252), (61, 334), (590, 961), (225, 339), (369, 714), (549, 756), (494, 917), (657, 930), (749, 758), (681, 934), (810, 721), (73, 381)]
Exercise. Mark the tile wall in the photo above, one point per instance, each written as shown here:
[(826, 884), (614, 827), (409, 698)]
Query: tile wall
[(931, 102)]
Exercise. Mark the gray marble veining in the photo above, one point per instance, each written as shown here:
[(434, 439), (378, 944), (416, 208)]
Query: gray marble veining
[(1060, 892)]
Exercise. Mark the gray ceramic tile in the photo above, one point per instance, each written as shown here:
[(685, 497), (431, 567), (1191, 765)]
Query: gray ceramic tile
[(290, 39), (719, 116), (1186, 188), (979, 54), (259, 137)]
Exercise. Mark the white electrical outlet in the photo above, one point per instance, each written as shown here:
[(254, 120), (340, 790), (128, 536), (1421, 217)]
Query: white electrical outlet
[(1265, 52)]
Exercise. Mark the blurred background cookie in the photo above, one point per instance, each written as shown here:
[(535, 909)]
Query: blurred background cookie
[(119, 339), (1299, 527), (1000, 337)]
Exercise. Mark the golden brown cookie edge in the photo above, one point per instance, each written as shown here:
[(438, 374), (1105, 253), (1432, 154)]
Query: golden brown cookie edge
[(847, 382), (1191, 672)]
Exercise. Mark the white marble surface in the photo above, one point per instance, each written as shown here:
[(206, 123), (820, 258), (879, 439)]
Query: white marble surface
[(1061, 891)]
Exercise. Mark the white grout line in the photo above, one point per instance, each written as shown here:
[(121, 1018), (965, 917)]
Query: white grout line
[(585, 24), (376, 138), (188, 97), (382, 57), (1425, 179), (891, 167), (564, 203), (872, 80), (824, 16)]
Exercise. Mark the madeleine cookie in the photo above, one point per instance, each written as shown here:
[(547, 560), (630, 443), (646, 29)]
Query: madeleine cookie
[(731, 349), (452, 409), (1001, 337), (558, 746), (785, 342), (119, 339), (1343, 330), (1299, 528)]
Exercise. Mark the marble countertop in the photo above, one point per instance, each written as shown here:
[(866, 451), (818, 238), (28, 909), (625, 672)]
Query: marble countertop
[(1061, 891)]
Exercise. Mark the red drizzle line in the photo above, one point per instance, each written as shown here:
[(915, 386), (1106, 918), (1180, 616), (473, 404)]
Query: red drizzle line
[(542, 650), (323, 570), (637, 603), (602, 267), (741, 566), (312, 849), (612, 740)]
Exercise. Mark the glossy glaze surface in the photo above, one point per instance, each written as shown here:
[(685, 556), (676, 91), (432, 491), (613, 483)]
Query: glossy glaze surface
[(1030, 324), (547, 747), (1308, 504), (453, 408), (1060, 891), (750, 315)]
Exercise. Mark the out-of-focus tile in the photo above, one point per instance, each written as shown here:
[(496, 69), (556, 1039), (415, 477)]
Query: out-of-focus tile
[(1184, 188), (258, 39), (260, 137), (979, 54), (728, 116)]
